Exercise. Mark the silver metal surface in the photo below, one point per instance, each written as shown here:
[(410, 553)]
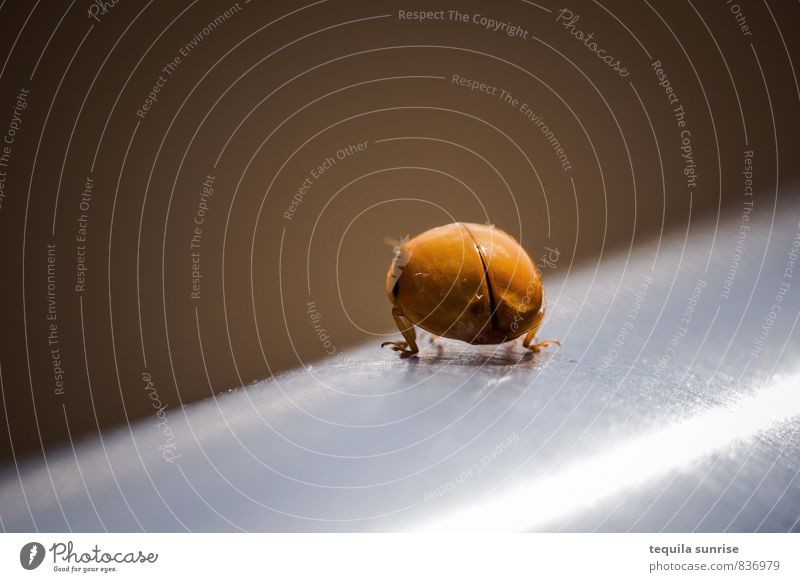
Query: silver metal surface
[(672, 405)]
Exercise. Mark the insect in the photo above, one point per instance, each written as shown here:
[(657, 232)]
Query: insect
[(465, 281)]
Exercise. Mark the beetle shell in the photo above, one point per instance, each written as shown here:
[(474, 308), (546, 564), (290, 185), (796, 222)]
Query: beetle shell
[(465, 281)]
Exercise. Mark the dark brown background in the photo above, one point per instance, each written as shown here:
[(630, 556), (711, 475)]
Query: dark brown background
[(291, 88)]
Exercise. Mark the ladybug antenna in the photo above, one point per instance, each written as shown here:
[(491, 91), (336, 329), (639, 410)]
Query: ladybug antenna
[(393, 242)]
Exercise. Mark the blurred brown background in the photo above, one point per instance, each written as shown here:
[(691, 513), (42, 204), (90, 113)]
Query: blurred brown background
[(261, 97)]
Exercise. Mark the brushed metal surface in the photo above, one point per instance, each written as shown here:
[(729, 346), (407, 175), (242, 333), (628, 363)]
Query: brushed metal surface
[(644, 420)]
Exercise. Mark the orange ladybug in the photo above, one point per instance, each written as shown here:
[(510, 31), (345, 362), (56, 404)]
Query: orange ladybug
[(465, 281)]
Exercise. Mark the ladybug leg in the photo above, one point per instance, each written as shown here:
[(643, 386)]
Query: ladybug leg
[(537, 347), (531, 335), (408, 347)]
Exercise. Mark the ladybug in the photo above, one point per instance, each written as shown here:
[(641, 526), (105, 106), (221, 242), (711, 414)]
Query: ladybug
[(465, 281)]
